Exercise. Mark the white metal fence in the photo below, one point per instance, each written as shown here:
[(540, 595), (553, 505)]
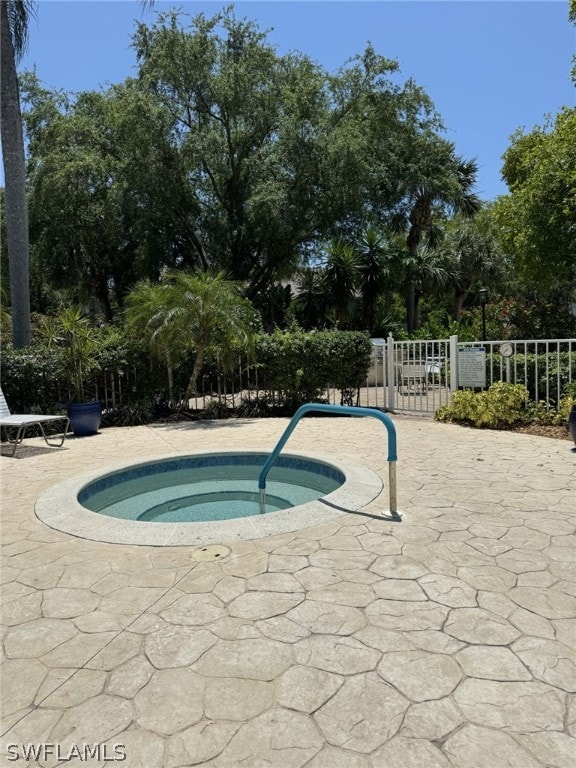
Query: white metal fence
[(420, 376), (407, 376), (545, 367)]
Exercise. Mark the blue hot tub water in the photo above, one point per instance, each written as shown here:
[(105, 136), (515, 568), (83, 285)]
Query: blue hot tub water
[(208, 487)]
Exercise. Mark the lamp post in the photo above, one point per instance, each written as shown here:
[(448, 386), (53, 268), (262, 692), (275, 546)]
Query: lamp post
[(483, 297)]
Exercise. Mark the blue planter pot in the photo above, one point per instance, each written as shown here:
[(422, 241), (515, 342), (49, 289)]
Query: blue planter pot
[(572, 423), (84, 418)]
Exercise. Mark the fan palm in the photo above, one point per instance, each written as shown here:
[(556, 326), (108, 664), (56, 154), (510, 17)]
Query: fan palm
[(14, 16), (472, 251), (341, 275), (373, 270), (437, 182), (192, 311), (427, 271), (310, 302)]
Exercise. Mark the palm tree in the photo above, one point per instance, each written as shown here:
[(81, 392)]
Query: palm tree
[(311, 300), (341, 275), (145, 317), (374, 269), (192, 311), (14, 16), (426, 272), (472, 251), (437, 182)]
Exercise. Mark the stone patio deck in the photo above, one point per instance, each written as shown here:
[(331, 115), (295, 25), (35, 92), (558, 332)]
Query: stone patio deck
[(445, 640)]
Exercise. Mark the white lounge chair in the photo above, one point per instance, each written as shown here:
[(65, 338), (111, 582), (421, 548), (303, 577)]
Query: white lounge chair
[(21, 421)]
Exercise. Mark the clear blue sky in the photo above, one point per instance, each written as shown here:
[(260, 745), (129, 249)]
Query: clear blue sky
[(490, 67)]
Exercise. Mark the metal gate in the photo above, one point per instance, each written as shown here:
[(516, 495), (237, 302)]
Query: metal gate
[(420, 376), (408, 375)]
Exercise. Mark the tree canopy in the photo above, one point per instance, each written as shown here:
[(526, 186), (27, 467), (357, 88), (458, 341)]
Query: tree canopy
[(221, 153), (537, 219), (327, 197)]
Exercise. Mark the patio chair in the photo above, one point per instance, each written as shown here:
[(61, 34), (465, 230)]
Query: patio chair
[(412, 375), (21, 421)]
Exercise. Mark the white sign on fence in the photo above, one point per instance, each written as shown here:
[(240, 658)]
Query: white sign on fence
[(472, 367)]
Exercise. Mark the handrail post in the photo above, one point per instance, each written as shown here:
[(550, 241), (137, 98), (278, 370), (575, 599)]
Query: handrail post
[(392, 481), (454, 373), (391, 373), (344, 410)]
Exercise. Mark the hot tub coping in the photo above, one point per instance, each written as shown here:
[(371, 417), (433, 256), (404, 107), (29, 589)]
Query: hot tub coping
[(58, 508)]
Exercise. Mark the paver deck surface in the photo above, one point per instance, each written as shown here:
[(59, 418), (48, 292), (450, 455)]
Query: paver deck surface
[(445, 640)]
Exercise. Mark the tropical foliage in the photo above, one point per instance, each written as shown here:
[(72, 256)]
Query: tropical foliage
[(537, 220), (76, 342), (301, 366), (227, 189), (200, 313)]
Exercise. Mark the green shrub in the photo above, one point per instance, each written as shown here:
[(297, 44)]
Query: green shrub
[(299, 366), (570, 389), (131, 414), (538, 413), (215, 409), (501, 406), (553, 376), (440, 325), (30, 380), (126, 359)]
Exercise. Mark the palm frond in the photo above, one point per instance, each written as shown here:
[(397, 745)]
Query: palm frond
[(19, 14)]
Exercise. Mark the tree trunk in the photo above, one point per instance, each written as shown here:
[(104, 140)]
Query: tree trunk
[(420, 222), (15, 179), (410, 307), (417, 297), (198, 363), (459, 299), (103, 296), (412, 241), (171, 384)]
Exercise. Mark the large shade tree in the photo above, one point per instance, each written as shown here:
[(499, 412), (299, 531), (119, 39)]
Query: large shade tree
[(235, 157), (231, 96), (14, 16), (222, 154), (537, 219), (99, 217), (280, 154)]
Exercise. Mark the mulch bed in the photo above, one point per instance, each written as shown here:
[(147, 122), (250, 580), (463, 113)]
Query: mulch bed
[(560, 432)]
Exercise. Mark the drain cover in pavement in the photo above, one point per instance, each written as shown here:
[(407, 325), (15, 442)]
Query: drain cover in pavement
[(211, 552)]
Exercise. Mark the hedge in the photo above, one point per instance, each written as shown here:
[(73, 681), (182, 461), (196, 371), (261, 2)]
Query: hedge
[(561, 369), (301, 366), (295, 366)]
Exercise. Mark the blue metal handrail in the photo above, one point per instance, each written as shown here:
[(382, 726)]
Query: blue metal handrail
[(343, 410)]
